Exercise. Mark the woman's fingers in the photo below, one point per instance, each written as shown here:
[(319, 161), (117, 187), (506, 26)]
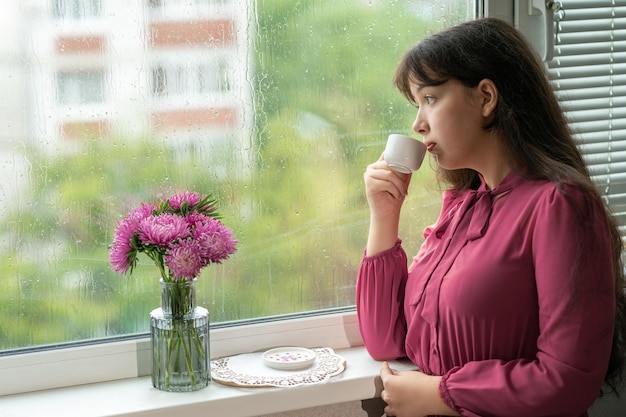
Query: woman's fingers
[(379, 178), (385, 374)]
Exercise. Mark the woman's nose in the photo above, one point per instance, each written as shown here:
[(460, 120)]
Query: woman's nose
[(419, 125)]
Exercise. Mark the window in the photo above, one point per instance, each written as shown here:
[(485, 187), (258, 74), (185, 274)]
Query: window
[(80, 87), (274, 107), (191, 79), (308, 105), (76, 9)]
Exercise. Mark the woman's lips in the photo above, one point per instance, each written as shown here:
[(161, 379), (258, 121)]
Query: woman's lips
[(430, 147)]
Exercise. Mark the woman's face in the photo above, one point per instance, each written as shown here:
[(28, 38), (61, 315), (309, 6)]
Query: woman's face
[(451, 119)]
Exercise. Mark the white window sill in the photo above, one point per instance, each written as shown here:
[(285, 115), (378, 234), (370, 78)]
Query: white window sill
[(112, 379), (137, 397)]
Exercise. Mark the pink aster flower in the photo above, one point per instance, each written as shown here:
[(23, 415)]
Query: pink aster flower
[(123, 251), (216, 240), (162, 230), (191, 198), (143, 211), (119, 256), (194, 218), (184, 260), (132, 220)]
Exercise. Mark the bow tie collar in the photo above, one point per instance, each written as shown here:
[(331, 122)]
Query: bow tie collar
[(476, 208)]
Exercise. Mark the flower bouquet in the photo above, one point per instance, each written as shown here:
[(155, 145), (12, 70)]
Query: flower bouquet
[(182, 235)]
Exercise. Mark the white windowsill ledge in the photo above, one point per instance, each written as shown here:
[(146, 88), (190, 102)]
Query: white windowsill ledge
[(136, 396)]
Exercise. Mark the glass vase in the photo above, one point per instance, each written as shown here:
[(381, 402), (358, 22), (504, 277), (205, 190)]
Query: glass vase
[(179, 332)]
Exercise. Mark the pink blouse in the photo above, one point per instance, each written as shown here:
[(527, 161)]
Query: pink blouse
[(490, 304)]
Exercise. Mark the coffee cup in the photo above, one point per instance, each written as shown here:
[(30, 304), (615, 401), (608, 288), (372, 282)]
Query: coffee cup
[(403, 153)]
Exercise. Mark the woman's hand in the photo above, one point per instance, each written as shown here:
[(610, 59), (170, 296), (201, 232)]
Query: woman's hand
[(385, 189), (412, 394)]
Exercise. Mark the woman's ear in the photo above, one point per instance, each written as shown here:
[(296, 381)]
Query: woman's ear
[(489, 96)]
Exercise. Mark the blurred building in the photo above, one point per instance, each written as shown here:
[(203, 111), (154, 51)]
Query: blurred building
[(168, 70)]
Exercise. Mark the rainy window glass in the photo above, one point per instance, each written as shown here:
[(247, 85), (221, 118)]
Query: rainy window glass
[(274, 107)]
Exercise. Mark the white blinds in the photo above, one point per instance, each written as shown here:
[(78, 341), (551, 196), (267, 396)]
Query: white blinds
[(589, 73)]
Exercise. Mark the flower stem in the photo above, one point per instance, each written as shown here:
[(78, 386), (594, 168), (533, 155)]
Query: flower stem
[(190, 368)]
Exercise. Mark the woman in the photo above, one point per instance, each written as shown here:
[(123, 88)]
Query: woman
[(514, 305)]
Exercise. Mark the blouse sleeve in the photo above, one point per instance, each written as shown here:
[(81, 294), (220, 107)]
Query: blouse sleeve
[(576, 318), (379, 302)]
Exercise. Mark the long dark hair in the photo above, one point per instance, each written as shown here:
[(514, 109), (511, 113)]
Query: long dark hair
[(528, 117)]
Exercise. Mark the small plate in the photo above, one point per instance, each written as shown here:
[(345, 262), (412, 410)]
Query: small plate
[(289, 358)]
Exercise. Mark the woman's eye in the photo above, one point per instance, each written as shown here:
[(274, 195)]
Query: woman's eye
[(429, 99)]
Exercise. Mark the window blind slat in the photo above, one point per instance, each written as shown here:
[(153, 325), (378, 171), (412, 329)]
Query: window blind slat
[(599, 115), (590, 145), (601, 103), (587, 4), (592, 36), (606, 82), (588, 93), (591, 70), (598, 125), (609, 179), (591, 18), (600, 162), (590, 48), (616, 57)]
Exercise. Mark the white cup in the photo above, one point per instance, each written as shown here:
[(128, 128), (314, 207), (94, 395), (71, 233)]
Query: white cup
[(403, 153)]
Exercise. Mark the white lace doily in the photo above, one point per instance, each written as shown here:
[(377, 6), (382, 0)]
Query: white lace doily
[(249, 370)]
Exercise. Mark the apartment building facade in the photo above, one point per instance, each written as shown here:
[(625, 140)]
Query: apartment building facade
[(167, 70)]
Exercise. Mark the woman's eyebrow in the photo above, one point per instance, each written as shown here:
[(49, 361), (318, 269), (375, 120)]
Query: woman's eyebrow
[(421, 86)]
